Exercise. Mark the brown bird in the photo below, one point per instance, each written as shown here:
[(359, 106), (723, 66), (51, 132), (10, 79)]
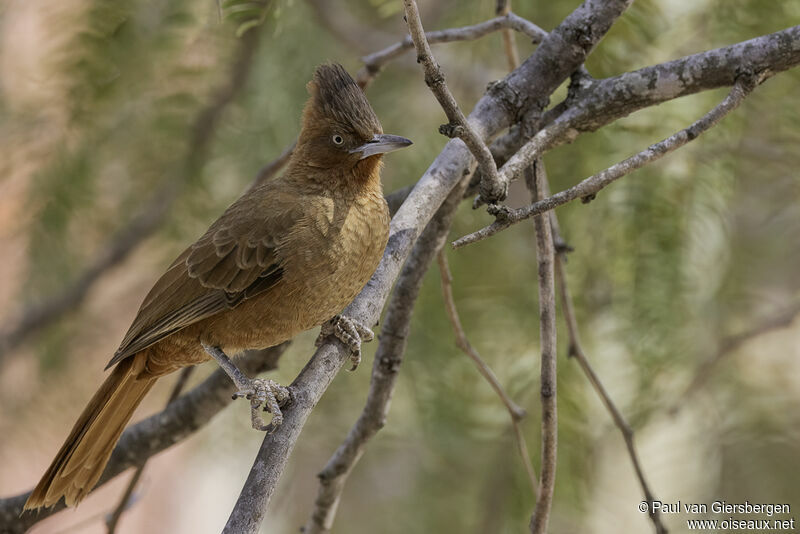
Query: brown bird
[(285, 257)]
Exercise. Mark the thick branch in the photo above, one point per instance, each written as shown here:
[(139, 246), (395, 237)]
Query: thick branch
[(388, 358), (547, 335), (139, 442)]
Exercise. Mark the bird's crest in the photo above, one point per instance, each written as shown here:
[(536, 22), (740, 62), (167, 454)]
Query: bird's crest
[(337, 96)]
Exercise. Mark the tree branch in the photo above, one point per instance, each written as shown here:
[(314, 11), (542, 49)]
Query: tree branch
[(271, 169), (575, 349), (547, 335), (458, 126), (373, 63), (139, 442), (589, 187), (502, 8), (515, 412)]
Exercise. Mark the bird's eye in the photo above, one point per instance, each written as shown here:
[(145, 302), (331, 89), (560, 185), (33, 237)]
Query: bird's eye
[(337, 140)]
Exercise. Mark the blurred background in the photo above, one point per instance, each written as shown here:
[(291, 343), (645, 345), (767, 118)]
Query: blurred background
[(98, 106)]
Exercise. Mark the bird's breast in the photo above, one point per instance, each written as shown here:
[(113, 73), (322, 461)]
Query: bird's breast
[(341, 247)]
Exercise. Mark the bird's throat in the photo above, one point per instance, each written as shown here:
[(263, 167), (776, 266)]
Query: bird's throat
[(367, 172)]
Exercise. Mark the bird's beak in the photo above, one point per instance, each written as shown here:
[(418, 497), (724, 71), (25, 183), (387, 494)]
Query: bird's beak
[(381, 144)]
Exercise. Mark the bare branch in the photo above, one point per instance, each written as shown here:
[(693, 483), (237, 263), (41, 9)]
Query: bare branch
[(547, 335), (515, 412), (374, 62), (458, 126), (139, 442), (589, 187), (388, 358), (156, 209), (113, 519), (502, 8), (575, 349)]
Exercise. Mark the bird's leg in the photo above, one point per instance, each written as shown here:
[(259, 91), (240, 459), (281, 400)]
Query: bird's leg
[(348, 331), (258, 391)]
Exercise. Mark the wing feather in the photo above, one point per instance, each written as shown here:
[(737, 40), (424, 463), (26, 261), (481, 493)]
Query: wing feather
[(236, 259)]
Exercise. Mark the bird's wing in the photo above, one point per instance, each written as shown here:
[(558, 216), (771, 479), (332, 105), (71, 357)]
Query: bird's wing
[(237, 258)]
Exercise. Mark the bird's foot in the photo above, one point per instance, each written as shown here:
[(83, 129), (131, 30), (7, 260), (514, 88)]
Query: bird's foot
[(267, 393), (258, 391), (348, 331)]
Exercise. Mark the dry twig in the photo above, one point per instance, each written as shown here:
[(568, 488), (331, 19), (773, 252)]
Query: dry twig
[(547, 336), (515, 412), (589, 187), (458, 126), (575, 349), (503, 8), (271, 169), (374, 62)]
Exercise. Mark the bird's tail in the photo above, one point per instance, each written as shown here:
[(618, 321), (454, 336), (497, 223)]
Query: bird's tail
[(83, 456)]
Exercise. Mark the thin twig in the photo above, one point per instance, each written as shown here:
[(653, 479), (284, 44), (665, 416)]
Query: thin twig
[(147, 438), (728, 345), (374, 62), (575, 349), (502, 8), (388, 358), (589, 187), (113, 519), (458, 126), (547, 335), (515, 412), (155, 210)]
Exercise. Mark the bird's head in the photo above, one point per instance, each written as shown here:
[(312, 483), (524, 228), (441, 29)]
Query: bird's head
[(339, 128)]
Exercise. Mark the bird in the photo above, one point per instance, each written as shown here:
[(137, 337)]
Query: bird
[(287, 256)]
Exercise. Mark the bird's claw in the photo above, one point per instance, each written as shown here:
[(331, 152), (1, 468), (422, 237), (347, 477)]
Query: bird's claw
[(348, 331), (269, 394)]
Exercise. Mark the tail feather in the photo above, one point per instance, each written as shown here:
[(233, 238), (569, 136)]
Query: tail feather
[(80, 462)]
